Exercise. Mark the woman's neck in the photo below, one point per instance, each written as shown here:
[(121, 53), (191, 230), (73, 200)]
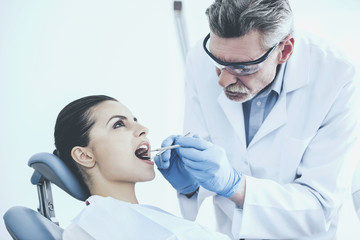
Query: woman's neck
[(118, 190)]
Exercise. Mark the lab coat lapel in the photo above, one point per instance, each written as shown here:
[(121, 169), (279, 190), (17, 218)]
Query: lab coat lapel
[(276, 118), (234, 113)]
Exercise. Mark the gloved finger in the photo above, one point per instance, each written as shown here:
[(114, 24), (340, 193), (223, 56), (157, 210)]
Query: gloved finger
[(193, 154), (193, 142), (169, 141), (158, 162), (196, 163), (161, 161), (198, 174)]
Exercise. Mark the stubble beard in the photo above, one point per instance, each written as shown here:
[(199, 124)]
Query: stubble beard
[(238, 92)]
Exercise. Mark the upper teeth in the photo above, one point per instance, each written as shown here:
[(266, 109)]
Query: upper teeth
[(143, 146)]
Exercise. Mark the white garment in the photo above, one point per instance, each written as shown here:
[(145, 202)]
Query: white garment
[(109, 218), (75, 232), (298, 166)]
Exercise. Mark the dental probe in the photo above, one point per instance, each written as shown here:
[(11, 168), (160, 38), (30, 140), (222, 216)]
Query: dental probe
[(170, 147), (165, 148), (160, 151)]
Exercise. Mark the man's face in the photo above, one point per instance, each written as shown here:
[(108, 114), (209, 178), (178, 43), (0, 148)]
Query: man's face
[(243, 49)]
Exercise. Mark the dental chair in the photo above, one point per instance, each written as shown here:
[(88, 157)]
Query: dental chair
[(24, 223)]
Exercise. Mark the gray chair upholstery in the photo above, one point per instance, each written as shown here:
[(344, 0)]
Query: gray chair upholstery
[(24, 223)]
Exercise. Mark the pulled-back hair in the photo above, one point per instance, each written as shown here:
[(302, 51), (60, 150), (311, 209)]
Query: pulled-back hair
[(72, 129), (235, 18)]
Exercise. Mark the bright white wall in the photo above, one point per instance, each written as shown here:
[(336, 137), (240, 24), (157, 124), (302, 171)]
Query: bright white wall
[(52, 52)]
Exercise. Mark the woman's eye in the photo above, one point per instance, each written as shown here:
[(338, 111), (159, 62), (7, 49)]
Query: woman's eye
[(118, 124)]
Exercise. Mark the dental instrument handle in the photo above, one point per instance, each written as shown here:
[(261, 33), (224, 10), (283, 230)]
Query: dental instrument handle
[(166, 148)]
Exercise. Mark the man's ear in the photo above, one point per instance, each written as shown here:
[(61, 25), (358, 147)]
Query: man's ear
[(287, 48), (83, 157)]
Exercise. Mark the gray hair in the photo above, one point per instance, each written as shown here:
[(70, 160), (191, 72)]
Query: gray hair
[(235, 18)]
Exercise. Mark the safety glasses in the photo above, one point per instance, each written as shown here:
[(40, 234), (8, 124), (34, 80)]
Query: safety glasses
[(238, 68)]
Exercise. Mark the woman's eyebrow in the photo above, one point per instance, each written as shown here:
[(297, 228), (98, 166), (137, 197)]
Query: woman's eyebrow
[(116, 116)]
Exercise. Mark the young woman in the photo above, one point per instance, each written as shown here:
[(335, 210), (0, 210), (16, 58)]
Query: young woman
[(104, 145)]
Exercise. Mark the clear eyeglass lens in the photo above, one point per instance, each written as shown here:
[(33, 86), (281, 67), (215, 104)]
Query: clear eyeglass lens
[(240, 71), (245, 70)]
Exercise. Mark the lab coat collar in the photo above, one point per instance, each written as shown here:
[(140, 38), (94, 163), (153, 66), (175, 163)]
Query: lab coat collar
[(278, 82), (298, 67), (276, 85), (276, 118), (234, 113), (296, 76)]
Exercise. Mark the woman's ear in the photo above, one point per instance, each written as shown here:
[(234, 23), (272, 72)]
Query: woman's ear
[(83, 157), (287, 48)]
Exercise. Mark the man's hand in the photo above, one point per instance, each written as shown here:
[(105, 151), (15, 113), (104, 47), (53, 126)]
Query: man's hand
[(208, 164), (172, 168)]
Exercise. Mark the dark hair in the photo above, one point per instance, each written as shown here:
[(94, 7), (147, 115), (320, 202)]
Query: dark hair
[(72, 129), (235, 18)]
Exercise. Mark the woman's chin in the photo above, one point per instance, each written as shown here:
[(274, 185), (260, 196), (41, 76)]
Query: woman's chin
[(148, 176)]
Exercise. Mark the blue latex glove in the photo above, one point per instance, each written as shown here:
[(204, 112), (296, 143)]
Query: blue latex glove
[(172, 168), (208, 164)]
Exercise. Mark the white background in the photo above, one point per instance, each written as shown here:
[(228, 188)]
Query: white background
[(53, 52)]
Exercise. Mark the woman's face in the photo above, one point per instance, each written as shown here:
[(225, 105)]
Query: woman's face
[(114, 138)]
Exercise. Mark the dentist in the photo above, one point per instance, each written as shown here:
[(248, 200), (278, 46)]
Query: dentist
[(276, 114)]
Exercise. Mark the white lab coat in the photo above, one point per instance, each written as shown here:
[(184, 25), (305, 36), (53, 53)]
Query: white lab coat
[(298, 166), (109, 218)]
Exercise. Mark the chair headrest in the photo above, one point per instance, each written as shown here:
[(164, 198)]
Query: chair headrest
[(52, 168)]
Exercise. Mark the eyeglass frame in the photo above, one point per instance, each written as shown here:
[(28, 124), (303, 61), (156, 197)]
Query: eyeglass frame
[(237, 65)]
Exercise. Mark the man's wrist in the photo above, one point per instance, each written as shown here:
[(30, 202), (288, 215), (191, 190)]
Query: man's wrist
[(239, 197)]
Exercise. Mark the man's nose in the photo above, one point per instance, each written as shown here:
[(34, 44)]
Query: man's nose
[(226, 78)]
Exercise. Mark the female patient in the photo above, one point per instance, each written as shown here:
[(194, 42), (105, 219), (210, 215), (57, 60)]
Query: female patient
[(103, 144)]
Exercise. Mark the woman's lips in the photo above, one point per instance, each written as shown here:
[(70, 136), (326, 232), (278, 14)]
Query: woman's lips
[(142, 151), (148, 162)]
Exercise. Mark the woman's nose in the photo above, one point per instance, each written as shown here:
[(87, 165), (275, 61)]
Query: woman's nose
[(226, 78), (141, 131)]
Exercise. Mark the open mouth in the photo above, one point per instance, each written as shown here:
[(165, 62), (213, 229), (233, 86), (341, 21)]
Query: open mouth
[(142, 152)]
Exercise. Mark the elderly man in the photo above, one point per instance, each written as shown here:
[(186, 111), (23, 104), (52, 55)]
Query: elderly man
[(278, 111)]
